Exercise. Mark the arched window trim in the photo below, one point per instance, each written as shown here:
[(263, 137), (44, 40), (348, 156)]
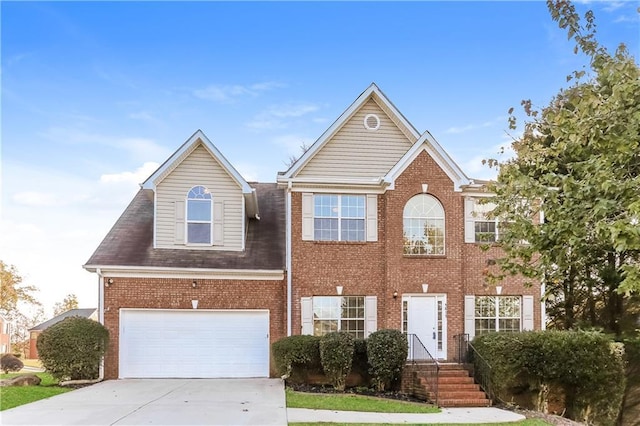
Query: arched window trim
[(428, 215), (199, 215)]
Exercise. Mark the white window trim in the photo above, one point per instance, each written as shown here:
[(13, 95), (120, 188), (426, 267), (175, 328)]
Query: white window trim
[(340, 218), (471, 216), (427, 218), (370, 314), (187, 221)]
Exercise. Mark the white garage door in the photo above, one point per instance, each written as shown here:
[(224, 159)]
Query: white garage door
[(193, 343)]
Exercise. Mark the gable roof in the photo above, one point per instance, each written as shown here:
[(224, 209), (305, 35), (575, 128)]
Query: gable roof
[(130, 242), (423, 141), (85, 313), (373, 91), (432, 147), (185, 149)]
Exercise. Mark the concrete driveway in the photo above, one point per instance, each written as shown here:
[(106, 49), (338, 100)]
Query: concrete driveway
[(160, 402)]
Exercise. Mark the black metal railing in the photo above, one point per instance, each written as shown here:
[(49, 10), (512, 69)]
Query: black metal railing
[(419, 355), (467, 354), (462, 348)]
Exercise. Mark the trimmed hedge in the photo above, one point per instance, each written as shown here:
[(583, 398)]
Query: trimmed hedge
[(336, 354), (387, 354), (292, 351), (587, 369), (73, 348)]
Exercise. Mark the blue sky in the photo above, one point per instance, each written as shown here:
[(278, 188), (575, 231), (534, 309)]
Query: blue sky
[(96, 95)]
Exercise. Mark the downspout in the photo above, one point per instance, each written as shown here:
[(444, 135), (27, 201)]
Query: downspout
[(288, 258), (100, 315)]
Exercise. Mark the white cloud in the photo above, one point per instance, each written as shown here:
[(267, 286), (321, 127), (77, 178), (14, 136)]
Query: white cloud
[(293, 143), (229, 93), (35, 199), (136, 177), (140, 148), (273, 117), (462, 129)]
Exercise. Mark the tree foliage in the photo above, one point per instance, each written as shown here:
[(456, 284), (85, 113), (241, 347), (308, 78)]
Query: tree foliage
[(68, 303), (12, 291), (577, 163)]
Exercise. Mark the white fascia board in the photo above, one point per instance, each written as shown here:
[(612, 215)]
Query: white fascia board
[(435, 151), (151, 183), (191, 273), (344, 117)]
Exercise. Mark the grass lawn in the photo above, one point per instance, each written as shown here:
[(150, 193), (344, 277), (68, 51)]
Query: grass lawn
[(351, 402), (14, 396), (528, 422)]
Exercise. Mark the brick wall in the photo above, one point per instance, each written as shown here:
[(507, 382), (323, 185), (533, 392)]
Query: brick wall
[(380, 268), (156, 293)]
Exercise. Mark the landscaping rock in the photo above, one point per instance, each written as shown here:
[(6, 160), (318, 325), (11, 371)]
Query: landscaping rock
[(22, 380)]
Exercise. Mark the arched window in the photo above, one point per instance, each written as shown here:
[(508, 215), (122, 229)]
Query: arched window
[(423, 224), (199, 216)]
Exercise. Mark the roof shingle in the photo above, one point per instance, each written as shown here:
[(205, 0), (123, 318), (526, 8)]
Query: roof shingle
[(130, 241)]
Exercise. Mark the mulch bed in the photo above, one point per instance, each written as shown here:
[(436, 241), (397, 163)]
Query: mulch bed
[(399, 396)]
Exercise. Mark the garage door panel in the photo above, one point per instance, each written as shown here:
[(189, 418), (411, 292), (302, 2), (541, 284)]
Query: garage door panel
[(164, 343)]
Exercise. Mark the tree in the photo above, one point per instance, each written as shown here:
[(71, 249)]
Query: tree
[(12, 291), (69, 302), (577, 166)]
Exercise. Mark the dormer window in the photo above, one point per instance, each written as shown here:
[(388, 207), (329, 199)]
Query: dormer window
[(199, 216)]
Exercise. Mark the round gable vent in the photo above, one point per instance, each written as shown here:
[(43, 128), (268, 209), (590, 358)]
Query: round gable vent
[(371, 122)]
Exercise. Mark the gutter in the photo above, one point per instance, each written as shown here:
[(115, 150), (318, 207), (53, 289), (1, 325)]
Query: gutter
[(288, 258)]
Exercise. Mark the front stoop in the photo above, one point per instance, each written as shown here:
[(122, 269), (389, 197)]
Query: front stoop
[(456, 386)]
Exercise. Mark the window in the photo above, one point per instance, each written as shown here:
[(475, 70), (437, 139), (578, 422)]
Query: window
[(497, 313), (485, 231), (423, 225), (339, 314), (479, 226), (199, 216), (339, 217)]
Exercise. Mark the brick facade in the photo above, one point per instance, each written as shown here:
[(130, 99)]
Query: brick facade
[(381, 268), (170, 293)]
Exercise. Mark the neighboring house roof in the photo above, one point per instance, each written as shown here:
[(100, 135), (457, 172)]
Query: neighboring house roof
[(181, 153), (86, 313), (130, 241)]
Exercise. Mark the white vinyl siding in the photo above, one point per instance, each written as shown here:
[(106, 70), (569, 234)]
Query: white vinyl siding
[(355, 152), (200, 168)]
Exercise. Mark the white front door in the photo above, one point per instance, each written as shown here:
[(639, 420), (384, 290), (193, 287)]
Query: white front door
[(424, 316)]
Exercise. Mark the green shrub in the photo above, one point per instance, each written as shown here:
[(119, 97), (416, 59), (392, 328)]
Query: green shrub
[(72, 349), (10, 362), (292, 351), (336, 354), (587, 367), (387, 355)]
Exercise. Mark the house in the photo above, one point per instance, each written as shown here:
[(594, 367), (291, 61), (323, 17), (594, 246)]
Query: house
[(375, 226), (5, 335), (34, 332)]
